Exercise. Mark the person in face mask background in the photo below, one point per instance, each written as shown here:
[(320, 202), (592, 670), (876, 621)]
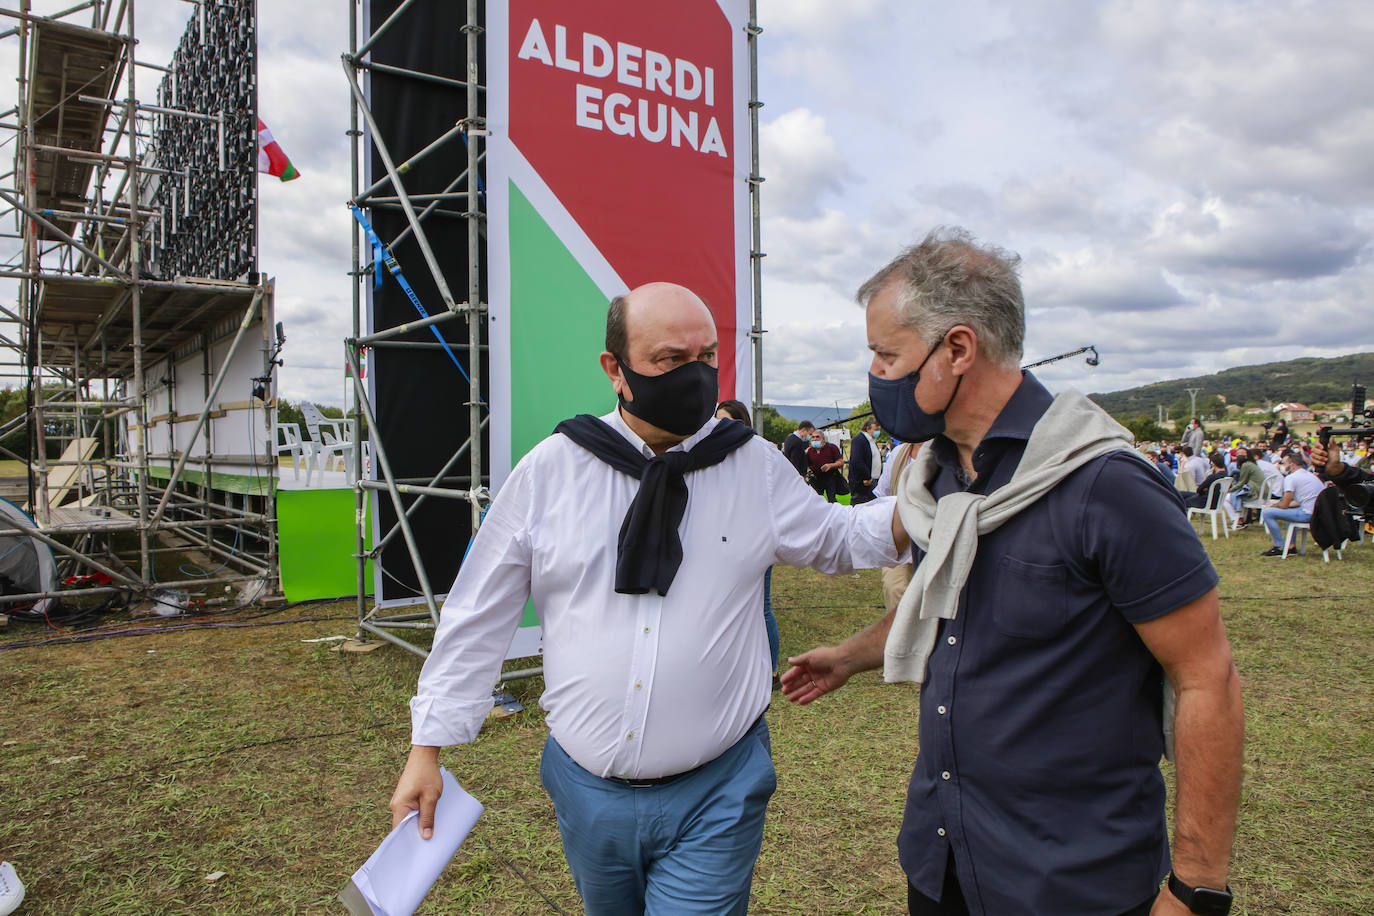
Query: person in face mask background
[(1194, 436), (1056, 576), (824, 460), (643, 537), (1249, 482)]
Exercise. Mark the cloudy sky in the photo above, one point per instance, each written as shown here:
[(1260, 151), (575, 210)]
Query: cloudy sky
[(1189, 184)]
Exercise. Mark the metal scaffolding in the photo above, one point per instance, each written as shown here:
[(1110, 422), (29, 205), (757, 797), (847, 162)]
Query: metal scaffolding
[(420, 206), (429, 203), (100, 329)]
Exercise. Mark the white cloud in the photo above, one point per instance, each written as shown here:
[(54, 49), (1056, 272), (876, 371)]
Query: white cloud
[(1267, 235), (1098, 282), (801, 163), (816, 20)]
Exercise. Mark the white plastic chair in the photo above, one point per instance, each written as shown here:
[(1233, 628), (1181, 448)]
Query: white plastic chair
[(286, 437), (330, 440), (1266, 493), (1305, 527), (1216, 497)]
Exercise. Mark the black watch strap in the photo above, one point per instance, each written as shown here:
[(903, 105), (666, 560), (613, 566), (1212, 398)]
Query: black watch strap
[(1205, 901)]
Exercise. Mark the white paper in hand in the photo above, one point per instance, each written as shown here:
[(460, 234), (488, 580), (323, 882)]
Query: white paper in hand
[(396, 878)]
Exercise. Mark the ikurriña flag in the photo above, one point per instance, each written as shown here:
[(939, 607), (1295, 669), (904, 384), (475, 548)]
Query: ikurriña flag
[(271, 159)]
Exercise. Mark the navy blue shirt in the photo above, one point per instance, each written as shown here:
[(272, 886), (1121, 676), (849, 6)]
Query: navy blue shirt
[(1040, 724)]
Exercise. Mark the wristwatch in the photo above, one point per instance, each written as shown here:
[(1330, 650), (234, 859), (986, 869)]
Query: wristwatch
[(1205, 901)]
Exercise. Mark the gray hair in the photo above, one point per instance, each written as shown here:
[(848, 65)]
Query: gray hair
[(947, 280)]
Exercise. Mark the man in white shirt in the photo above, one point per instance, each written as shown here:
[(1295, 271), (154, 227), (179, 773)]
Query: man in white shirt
[(1268, 468), (658, 758), (1197, 464), (1300, 491), (865, 463)]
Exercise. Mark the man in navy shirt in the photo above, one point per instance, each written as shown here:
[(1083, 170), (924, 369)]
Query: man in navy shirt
[(1037, 788)]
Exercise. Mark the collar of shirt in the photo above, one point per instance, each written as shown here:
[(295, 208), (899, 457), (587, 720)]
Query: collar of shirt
[(1013, 425), (617, 422)]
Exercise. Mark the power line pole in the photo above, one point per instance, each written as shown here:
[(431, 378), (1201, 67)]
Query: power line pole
[(1192, 401)]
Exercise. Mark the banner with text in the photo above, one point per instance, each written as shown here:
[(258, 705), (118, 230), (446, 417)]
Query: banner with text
[(619, 155)]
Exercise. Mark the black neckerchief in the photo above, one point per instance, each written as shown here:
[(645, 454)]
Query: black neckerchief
[(649, 550)]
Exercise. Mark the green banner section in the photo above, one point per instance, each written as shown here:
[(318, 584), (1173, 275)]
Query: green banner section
[(259, 484), (316, 540), (558, 328)]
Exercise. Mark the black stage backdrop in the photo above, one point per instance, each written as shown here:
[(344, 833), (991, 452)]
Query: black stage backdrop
[(419, 396)]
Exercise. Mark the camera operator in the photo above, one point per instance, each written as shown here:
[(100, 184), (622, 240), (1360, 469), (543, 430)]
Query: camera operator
[(1280, 434), (1330, 467)]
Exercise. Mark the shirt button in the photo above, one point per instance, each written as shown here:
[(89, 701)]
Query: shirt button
[(940, 831), (629, 736), (952, 640), (646, 629), (940, 710), (945, 775), (638, 684)]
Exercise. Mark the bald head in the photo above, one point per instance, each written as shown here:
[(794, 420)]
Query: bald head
[(651, 331), (658, 326)]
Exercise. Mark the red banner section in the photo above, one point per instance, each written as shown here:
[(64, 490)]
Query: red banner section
[(626, 111)]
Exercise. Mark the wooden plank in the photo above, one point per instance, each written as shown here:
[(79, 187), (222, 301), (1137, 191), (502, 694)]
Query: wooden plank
[(62, 479)]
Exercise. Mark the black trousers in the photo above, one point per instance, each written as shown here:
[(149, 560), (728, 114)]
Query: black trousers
[(827, 484), (951, 902)]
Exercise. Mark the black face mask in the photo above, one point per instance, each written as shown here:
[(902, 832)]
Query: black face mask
[(679, 401), (894, 405)]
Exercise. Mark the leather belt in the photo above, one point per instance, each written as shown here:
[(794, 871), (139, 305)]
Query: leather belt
[(656, 781), (635, 783)]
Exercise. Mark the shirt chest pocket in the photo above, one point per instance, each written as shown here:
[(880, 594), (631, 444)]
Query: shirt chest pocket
[(1031, 599)]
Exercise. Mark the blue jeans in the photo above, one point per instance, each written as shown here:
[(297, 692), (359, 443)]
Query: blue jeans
[(1272, 517), (770, 623), (687, 846)]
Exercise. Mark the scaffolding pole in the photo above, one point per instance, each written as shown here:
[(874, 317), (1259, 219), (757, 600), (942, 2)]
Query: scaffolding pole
[(388, 191)]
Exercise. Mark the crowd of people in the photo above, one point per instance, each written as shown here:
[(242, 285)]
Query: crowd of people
[(1272, 481)]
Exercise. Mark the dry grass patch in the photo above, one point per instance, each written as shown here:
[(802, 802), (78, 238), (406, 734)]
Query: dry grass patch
[(248, 751)]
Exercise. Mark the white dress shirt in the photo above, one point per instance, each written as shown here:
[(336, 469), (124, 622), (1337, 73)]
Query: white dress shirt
[(1199, 467), (876, 468), (638, 686)]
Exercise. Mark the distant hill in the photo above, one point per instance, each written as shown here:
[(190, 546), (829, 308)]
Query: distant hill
[(817, 415), (1308, 381)]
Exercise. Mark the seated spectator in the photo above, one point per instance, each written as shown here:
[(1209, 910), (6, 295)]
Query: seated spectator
[(1300, 491), (1197, 465), (1262, 458), (1249, 483), (1159, 462), (1203, 498)]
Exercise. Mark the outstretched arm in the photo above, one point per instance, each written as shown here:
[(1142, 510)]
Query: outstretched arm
[(825, 668)]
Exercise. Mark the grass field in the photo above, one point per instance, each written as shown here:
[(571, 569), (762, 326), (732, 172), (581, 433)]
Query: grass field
[(130, 768)]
